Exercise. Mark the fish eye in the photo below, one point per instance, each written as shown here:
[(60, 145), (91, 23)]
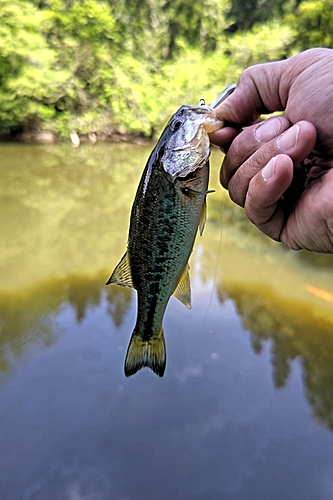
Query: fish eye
[(176, 125)]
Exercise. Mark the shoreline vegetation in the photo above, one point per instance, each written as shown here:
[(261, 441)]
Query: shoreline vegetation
[(46, 137), (105, 70)]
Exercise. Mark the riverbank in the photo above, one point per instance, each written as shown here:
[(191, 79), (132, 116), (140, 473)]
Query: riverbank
[(46, 137)]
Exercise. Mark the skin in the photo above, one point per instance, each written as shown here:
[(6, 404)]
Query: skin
[(280, 170)]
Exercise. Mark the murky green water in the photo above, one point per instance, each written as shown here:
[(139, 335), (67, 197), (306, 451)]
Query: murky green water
[(245, 409)]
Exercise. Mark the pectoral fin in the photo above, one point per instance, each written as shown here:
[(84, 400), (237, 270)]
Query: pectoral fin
[(122, 273), (203, 217), (183, 290)]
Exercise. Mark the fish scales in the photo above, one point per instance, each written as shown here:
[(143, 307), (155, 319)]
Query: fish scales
[(158, 261), (169, 207)]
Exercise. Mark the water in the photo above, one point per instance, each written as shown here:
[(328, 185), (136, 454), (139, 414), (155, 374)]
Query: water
[(245, 409)]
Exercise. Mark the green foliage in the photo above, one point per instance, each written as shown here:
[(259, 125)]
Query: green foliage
[(148, 99), (246, 13), (81, 20), (27, 76), (313, 23), (158, 28), (105, 65), (264, 42), (85, 37)]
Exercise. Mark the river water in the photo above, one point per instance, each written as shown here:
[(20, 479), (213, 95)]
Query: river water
[(245, 408)]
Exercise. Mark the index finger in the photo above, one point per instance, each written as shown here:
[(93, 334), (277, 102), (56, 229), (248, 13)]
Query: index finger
[(257, 92)]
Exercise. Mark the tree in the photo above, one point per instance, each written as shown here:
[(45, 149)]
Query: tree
[(158, 28), (313, 24), (84, 35), (27, 75), (90, 65), (244, 14)]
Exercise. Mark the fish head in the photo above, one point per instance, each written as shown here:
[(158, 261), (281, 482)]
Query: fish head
[(187, 145)]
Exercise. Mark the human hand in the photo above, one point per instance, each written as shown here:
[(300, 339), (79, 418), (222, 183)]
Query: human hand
[(280, 170)]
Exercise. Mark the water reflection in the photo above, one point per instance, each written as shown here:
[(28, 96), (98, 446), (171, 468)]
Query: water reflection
[(246, 366), (28, 317), (294, 331), (63, 211), (69, 194), (119, 300), (321, 261)]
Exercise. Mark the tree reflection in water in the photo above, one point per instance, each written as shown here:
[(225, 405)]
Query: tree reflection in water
[(28, 317), (65, 224), (119, 299), (295, 331)]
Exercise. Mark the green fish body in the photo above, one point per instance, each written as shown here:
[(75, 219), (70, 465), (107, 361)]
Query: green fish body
[(169, 206)]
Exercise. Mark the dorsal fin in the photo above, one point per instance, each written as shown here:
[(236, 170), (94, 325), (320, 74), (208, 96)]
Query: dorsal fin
[(122, 273), (183, 290)]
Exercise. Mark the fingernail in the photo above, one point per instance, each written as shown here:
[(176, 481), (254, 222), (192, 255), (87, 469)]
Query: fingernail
[(268, 170), (288, 139), (267, 130)]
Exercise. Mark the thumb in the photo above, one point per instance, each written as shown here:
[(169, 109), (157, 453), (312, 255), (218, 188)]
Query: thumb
[(257, 92)]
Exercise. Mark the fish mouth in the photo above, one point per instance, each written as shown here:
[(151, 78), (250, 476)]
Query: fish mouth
[(208, 123), (194, 153), (211, 122), (188, 143)]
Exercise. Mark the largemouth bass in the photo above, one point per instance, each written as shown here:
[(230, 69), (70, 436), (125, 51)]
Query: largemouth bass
[(169, 206)]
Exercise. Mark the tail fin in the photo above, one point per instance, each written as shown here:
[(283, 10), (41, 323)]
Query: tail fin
[(149, 353)]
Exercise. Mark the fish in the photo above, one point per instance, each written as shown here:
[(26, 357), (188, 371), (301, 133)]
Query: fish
[(168, 209)]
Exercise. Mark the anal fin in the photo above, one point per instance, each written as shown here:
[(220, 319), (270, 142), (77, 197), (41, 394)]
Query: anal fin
[(183, 290)]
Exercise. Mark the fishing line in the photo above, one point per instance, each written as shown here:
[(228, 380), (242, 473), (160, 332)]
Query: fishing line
[(212, 290), (280, 261), (220, 98)]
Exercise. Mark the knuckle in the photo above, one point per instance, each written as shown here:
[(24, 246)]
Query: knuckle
[(247, 74)]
